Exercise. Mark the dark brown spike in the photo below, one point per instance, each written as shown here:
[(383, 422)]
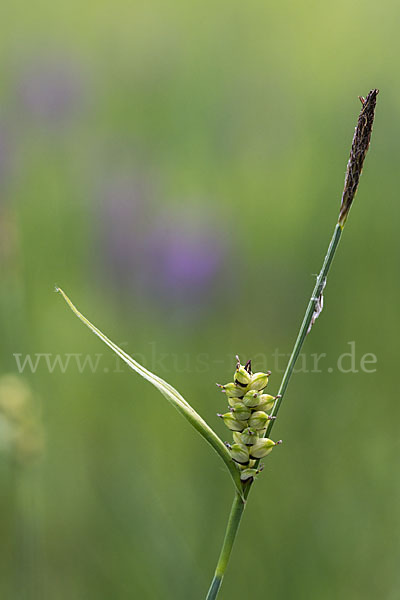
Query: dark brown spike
[(359, 148)]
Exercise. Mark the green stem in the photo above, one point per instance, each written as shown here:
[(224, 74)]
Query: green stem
[(230, 535), (318, 289), (238, 505)]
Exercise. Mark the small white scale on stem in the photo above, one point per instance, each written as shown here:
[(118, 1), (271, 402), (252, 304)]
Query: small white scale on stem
[(319, 305)]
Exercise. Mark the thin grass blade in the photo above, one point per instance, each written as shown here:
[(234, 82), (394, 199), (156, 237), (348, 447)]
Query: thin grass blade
[(170, 393)]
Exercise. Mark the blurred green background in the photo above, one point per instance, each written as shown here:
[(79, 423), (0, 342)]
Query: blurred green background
[(177, 168)]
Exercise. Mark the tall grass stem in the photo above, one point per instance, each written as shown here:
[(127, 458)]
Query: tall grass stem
[(359, 148)]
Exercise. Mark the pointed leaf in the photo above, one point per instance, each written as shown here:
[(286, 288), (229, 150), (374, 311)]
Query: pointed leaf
[(170, 393)]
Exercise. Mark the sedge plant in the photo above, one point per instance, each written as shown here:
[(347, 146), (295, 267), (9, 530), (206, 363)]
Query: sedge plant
[(251, 413)]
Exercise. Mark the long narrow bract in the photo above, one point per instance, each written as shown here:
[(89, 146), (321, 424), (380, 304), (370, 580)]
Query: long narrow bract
[(170, 393)]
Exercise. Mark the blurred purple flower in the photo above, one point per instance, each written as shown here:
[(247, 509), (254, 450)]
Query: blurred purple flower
[(183, 260), (177, 260), (51, 88)]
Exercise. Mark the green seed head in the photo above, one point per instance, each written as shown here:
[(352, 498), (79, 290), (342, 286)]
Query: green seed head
[(241, 412), (259, 381), (258, 420), (237, 436), (239, 453), (233, 401), (262, 448), (232, 390), (266, 402), (251, 399), (248, 418), (249, 436), (248, 474), (232, 423), (242, 376)]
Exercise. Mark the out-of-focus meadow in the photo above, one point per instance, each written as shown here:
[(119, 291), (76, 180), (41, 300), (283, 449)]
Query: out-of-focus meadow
[(177, 169)]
